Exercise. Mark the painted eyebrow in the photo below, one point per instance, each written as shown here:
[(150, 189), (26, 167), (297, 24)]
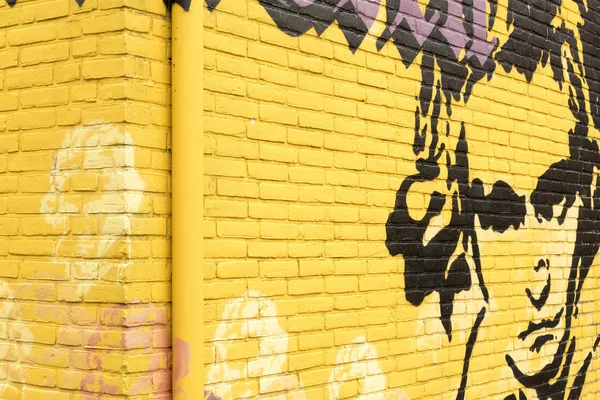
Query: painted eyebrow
[(554, 186), (501, 208)]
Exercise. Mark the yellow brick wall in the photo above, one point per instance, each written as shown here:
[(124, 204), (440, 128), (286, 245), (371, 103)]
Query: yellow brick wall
[(306, 145), (309, 146), (84, 200)]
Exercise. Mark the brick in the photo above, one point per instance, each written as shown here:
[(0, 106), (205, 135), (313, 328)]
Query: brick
[(8, 18), (44, 54), (9, 58), (114, 68), (275, 191), (32, 34), (67, 73), (44, 11), (9, 101), (223, 208), (105, 23), (237, 269), (29, 77), (237, 67), (45, 97)]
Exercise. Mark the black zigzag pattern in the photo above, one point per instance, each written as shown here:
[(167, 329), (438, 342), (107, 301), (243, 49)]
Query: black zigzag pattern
[(185, 4)]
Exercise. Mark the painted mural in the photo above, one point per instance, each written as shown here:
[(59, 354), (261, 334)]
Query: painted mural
[(452, 217), (565, 194)]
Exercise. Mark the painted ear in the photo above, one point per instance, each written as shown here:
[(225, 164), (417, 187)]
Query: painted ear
[(560, 183)]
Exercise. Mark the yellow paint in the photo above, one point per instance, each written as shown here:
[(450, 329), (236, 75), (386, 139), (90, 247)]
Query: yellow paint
[(187, 34), (306, 145), (84, 200), (282, 286)]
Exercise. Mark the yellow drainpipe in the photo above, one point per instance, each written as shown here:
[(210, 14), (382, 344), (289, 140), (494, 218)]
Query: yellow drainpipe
[(187, 204)]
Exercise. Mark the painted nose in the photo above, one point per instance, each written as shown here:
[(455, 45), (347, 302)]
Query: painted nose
[(540, 301)]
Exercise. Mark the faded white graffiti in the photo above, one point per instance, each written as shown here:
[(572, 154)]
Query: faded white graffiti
[(88, 149), (84, 151), (358, 360), (241, 320), (253, 317)]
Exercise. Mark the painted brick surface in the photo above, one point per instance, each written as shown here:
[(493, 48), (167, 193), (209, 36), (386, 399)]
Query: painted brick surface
[(84, 200), (401, 199)]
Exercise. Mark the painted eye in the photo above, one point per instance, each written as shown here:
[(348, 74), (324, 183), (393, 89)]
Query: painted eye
[(500, 209), (555, 187)]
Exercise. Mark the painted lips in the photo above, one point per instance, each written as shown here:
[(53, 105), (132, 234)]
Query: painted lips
[(540, 341), (536, 326)]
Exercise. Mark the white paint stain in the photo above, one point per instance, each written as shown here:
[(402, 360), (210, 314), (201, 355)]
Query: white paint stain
[(120, 191), (243, 321), (358, 361), (83, 150)]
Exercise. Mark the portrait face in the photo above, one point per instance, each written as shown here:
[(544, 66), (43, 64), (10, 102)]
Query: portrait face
[(530, 266), (527, 265), (499, 194), (523, 238), (85, 150)]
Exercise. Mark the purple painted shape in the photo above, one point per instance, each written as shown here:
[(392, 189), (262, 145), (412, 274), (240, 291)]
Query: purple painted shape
[(481, 48), (453, 28), (210, 396), (366, 10), (419, 27)]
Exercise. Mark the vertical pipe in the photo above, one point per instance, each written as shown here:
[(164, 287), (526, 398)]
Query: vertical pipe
[(187, 204)]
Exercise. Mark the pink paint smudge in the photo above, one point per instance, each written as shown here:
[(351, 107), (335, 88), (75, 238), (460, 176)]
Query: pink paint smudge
[(181, 366)]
